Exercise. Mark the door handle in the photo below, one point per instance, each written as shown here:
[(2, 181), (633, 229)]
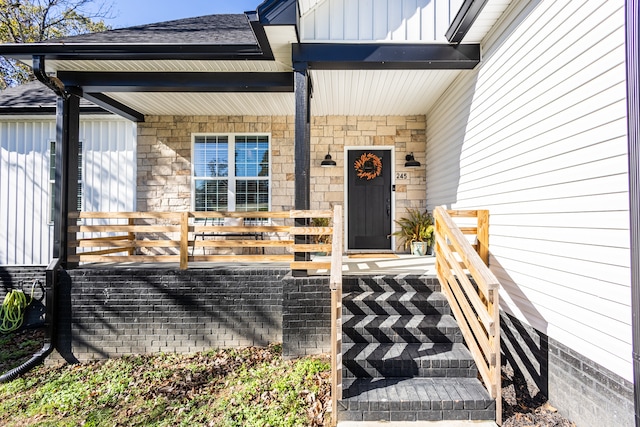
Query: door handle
[(388, 207)]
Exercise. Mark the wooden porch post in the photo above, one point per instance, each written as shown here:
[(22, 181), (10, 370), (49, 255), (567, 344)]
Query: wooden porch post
[(302, 154), (66, 175)]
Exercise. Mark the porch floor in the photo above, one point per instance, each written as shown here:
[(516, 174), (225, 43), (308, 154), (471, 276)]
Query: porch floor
[(352, 264), (392, 264)]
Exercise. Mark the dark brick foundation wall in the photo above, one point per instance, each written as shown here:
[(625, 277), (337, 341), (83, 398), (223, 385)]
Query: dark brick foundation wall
[(116, 311), (14, 276), (306, 317), (22, 278), (583, 391)]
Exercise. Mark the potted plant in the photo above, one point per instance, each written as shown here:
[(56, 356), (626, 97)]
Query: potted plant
[(321, 238), (416, 231)]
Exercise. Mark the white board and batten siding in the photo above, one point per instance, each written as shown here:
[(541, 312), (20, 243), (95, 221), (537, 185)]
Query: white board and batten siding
[(537, 135), (394, 21), (109, 180)]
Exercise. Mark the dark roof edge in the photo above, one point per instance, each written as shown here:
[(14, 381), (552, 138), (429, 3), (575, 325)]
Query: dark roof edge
[(464, 19), (261, 36), (278, 12), (71, 51), (386, 56), (49, 111)]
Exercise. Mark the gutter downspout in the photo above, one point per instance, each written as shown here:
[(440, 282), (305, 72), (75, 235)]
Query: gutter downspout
[(632, 23), (51, 272), (49, 345), (51, 82)]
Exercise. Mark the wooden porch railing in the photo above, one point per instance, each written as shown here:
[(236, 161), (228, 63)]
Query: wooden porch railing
[(472, 291), (161, 237)]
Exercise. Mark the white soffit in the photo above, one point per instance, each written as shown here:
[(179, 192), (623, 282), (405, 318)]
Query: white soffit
[(335, 92), (280, 39), (487, 19), (377, 92), (208, 104)]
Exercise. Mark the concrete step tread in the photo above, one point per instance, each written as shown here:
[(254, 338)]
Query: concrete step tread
[(415, 399), (459, 393)]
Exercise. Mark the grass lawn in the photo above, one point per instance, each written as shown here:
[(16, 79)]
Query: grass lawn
[(239, 387)]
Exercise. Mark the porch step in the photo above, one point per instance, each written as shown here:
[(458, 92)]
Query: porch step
[(398, 303), (400, 329), (415, 399), (364, 360), (400, 283), (403, 356)]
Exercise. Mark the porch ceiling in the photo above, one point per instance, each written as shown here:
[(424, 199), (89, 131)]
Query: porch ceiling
[(335, 92), (342, 90)]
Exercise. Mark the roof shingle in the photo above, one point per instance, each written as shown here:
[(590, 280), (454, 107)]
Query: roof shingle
[(33, 97), (226, 29)]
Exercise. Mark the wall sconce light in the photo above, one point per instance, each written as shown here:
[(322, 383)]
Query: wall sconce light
[(411, 162), (328, 162)]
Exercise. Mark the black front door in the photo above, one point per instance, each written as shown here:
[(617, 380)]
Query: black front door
[(369, 193)]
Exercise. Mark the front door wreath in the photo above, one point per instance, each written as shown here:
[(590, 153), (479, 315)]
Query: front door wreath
[(368, 166)]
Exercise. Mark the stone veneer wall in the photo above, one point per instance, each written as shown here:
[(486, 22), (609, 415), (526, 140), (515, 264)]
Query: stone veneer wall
[(164, 153), (332, 133)]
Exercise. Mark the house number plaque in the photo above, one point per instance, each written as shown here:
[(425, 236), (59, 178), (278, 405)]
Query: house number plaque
[(401, 175)]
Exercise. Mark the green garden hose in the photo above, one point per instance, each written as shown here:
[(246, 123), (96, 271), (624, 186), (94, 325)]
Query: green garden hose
[(12, 310)]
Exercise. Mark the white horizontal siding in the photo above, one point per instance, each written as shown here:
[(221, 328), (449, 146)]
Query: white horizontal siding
[(109, 168), (378, 20), (537, 135)]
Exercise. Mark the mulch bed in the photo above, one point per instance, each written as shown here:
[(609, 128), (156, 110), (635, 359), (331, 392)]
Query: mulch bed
[(523, 405)]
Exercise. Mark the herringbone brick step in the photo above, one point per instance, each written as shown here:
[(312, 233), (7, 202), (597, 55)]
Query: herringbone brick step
[(404, 283), (430, 360), (403, 355), (400, 329), (399, 303)]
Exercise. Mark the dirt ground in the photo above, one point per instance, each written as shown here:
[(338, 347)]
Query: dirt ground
[(522, 403)]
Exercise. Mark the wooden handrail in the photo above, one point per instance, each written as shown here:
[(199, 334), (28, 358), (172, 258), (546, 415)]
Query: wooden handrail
[(473, 296), (335, 284)]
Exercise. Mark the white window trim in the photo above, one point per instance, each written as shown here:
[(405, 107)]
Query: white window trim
[(231, 196)]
